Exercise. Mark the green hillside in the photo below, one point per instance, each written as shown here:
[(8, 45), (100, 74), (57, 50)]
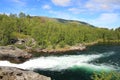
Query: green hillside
[(51, 32)]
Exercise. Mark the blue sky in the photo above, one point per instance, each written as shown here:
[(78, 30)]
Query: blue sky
[(101, 13)]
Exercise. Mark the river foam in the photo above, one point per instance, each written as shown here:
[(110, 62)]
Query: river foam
[(56, 63)]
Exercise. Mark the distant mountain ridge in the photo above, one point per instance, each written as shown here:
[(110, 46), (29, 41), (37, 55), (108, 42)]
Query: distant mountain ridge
[(66, 21)]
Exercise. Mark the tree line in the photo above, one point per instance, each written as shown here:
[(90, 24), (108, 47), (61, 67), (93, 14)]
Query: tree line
[(50, 32)]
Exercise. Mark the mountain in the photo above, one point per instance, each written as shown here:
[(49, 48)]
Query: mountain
[(64, 21), (73, 21)]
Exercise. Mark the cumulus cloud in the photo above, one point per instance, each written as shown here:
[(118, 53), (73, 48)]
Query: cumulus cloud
[(106, 20), (62, 2), (109, 5), (46, 6)]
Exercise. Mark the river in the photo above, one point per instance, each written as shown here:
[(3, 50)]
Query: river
[(76, 66)]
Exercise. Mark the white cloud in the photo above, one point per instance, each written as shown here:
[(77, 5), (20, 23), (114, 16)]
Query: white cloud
[(107, 5), (22, 3), (107, 1), (46, 6), (108, 17), (62, 2), (76, 10), (106, 20)]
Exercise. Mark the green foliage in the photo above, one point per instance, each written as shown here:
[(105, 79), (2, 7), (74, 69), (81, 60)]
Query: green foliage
[(106, 76), (51, 32), (6, 29), (22, 15), (62, 44), (19, 35), (21, 46)]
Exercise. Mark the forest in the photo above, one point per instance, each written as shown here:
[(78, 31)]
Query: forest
[(52, 32)]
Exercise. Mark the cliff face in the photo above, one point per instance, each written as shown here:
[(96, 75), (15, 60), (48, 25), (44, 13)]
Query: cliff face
[(10, 73)]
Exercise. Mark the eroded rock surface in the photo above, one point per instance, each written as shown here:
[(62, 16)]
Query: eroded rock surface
[(11, 73), (13, 54)]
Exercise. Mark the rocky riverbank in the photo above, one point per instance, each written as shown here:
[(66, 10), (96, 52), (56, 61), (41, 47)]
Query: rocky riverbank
[(11, 73), (57, 51), (14, 54)]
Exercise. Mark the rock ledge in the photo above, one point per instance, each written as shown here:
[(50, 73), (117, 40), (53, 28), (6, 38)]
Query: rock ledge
[(13, 54), (11, 73)]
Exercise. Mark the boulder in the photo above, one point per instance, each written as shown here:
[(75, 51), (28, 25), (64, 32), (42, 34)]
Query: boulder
[(11, 73), (13, 54)]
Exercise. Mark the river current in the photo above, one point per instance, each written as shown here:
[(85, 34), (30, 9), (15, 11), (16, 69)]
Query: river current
[(76, 66)]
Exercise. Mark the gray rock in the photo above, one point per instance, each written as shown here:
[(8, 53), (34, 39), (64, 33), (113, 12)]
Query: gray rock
[(11, 73), (13, 54)]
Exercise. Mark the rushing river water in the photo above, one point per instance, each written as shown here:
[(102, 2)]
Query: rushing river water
[(75, 66)]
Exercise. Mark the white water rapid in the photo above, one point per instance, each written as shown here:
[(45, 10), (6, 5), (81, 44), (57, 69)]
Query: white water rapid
[(60, 62)]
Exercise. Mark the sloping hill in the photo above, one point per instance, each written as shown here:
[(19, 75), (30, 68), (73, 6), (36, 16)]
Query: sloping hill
[(64, 21)]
